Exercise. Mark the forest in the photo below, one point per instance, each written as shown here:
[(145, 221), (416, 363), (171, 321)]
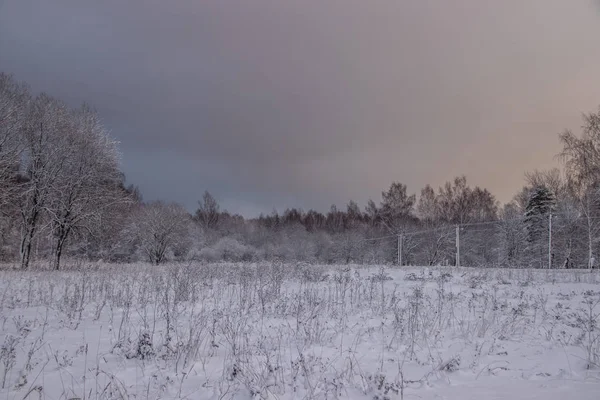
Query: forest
[(64, 201)]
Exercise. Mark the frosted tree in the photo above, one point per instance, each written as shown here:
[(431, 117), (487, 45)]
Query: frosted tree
[(45, 138), (436, 243), (314, 221), (568, 237), (427, 207), (14, 99), (334, 220), (537, 213), (208, 211), (101, 235), (582, 160), (479, 239), (88, 184), (354, 218), (348, 246), (396, 214), (13, 102), (372, 213), (512, 235), (397, 207), (457, 204), (159, 229), (566, 225)]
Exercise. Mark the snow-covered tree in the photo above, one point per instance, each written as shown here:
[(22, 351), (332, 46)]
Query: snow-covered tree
[(158, 229), (88, 185), (14, 99), (45, 136), (397, 208), (581, 156), (537, 213), (208, 211), (512, 235)]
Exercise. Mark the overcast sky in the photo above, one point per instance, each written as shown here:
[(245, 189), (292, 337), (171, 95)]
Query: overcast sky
[(270, 104)]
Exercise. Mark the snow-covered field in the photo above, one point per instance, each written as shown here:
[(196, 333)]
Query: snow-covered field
[(275, 331)]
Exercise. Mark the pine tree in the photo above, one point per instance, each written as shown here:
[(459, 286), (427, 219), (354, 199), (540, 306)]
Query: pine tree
[(539, 207)]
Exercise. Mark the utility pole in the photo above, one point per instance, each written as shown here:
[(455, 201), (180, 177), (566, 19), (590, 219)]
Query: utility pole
[(550, 241), (457, 263)]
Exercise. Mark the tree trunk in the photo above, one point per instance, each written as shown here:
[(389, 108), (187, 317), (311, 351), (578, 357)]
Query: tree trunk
[(25, 250), (61, 238), (26, 244), (30, 221), (590, 242), (57, 255)]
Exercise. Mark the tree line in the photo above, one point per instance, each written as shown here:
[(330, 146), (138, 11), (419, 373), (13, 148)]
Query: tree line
[(62, 194)]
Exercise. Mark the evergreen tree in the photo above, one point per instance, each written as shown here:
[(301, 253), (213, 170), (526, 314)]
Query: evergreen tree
[(539, 207)]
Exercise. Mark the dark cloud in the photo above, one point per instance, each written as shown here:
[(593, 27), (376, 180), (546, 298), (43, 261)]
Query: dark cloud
[(305, 103)]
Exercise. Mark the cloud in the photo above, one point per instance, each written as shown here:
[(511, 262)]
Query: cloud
[(305, 103)]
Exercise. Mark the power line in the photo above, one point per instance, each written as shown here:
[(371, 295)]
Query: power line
[(492, 224), (379, 238)]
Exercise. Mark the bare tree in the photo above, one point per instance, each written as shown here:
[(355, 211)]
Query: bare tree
[(567, 222), (43, 160), (348, 246), (460, 204), (335, 220), (427, 207), (512, 235), (567, 231), (581, 156), (158, 228), (101, 234), (437, 243), (89, 183), (456, 204), (372, 213), (397, 208), (208, 211), (550, 179), (13, 102), (314, 221)]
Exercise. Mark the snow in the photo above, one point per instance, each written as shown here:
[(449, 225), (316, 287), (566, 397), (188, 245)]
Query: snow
[(293, 331)]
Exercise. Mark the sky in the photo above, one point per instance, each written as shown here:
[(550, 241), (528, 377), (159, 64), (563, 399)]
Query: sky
[(305, 103)]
